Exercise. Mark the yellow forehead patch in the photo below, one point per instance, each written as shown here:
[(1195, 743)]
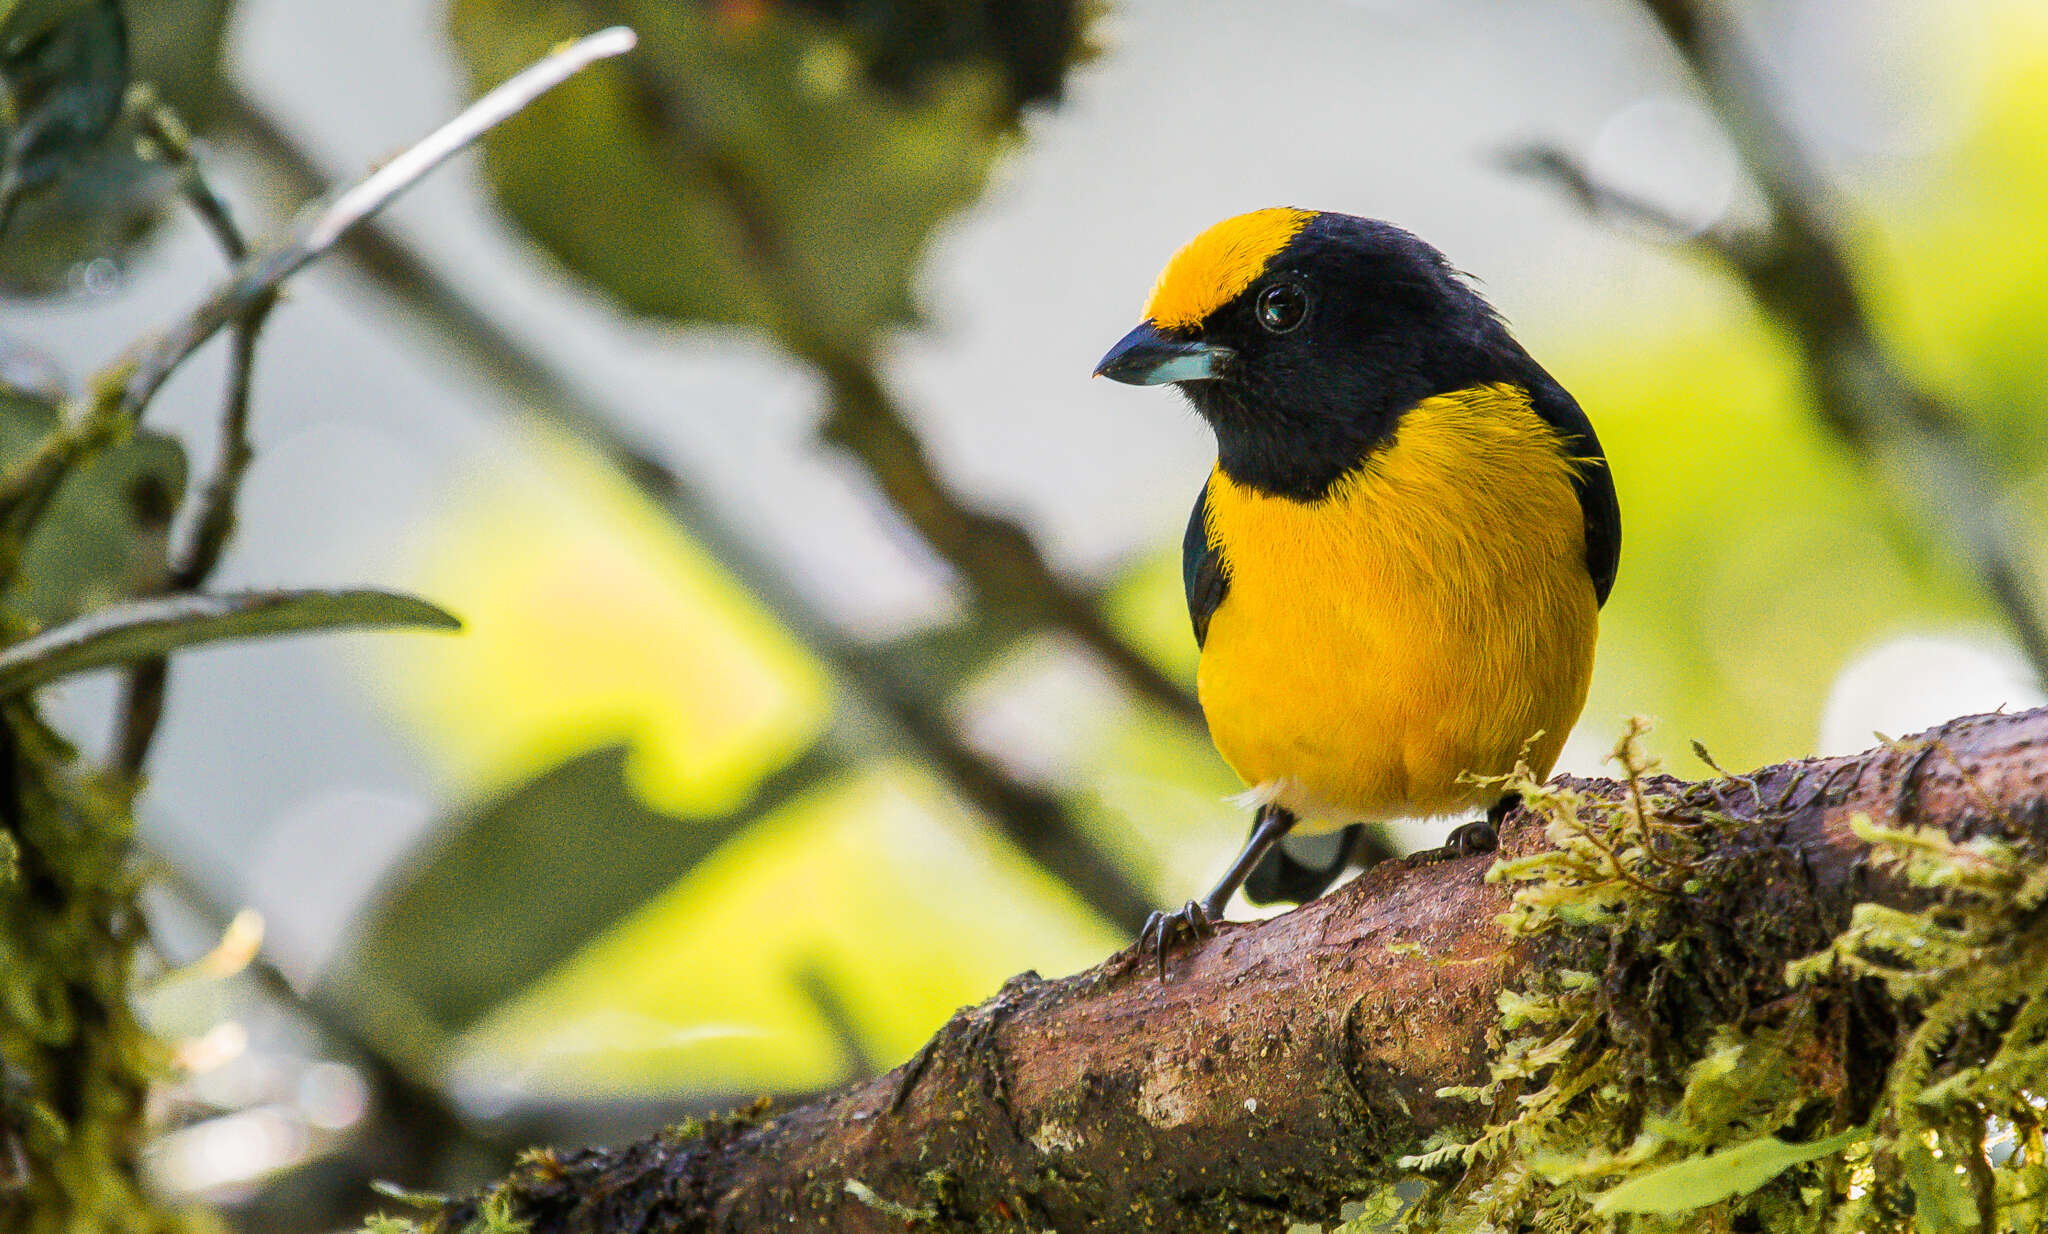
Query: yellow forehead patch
[(1211, 269)]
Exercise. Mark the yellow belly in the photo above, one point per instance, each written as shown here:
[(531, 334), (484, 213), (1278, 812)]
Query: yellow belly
[(1430, 616)]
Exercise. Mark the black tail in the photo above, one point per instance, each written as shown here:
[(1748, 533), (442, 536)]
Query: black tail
[(1300, 868)]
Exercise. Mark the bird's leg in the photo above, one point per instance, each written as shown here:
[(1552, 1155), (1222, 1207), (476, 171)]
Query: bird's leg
[(1480, 835), (1273, 823), (1198, 918)]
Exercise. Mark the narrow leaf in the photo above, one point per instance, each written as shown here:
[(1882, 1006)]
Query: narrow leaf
[(124, 633), (1699, 1181), (575, 848)]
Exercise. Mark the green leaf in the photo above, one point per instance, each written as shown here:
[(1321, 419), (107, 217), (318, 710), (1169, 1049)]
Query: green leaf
[(1698, 1181), (903, 42), (1941, 1199), (140, 630), (739, 168), (109, 196), (63, 89), (510, 888), (103, 537)]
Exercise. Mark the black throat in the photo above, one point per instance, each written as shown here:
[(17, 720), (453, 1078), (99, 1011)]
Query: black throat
[(1282, 455)]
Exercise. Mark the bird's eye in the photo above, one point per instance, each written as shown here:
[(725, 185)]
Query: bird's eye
[(1282, 306)]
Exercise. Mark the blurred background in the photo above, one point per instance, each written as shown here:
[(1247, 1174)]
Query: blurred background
[(826, 658)]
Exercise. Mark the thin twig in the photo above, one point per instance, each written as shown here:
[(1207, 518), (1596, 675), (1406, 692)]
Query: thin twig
[(879, 700), (120, 393), (320, 230), (172, 143), (1796, 271), (143, 693), (1544, 161)]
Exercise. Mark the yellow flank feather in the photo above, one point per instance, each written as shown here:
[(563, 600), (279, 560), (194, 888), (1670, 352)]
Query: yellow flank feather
[(1430, 616), (1215, 266)]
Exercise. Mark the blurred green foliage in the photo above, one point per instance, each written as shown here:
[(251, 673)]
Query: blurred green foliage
[(108, 195), (104, 534), (1759, 559), (546, 889), (736, 170), (606, 627), (63, 90), (903, 44), (880, 887)]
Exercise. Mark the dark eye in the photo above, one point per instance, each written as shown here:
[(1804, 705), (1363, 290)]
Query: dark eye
[(1282, 306)]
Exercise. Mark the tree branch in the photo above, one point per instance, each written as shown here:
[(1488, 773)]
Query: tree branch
[(1286, 1065), (995, 559)]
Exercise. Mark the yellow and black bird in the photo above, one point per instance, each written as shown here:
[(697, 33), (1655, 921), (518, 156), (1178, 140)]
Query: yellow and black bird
[(1396, 568)]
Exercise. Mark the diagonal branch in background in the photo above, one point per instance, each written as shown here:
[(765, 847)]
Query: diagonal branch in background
[(1796, 272), (1288, 1064), (880, 698), (995, 559), (998, 558)]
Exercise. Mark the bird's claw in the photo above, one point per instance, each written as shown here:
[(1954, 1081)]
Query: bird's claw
[(1473, 838), (1162, 930)]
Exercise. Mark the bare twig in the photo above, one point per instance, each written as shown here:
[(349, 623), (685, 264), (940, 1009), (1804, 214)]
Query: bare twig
[(171, 141), (1542, 161), (321, 229), (142, 696), (121, 393), (1796, 271), (880, 697)]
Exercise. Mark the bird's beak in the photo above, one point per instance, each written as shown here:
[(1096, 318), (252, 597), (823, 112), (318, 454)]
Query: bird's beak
[(1149, 357)]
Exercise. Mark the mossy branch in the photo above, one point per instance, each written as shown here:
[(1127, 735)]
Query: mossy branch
[(1537, 1036)]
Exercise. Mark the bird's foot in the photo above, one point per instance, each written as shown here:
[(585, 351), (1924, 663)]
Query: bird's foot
[(1481, 835), (1163, 931)]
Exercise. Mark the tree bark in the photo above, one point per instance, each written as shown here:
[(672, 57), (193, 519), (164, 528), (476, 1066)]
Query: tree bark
[(1281, 1066)]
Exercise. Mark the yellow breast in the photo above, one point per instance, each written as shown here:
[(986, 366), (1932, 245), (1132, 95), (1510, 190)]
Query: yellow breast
[(1431, 615)]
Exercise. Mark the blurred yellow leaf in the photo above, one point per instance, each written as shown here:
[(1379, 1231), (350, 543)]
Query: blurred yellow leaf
[(591, 622), (881, 888)]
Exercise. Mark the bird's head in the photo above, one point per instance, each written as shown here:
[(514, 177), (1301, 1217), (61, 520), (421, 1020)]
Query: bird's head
[(1302, 336)]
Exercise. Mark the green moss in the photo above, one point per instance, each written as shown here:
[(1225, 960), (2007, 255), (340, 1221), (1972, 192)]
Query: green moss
[(1641, 1084), (77, 1062)]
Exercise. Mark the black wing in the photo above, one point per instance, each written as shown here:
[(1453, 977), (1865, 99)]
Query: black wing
[(1201, 569), (1594, 481)]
